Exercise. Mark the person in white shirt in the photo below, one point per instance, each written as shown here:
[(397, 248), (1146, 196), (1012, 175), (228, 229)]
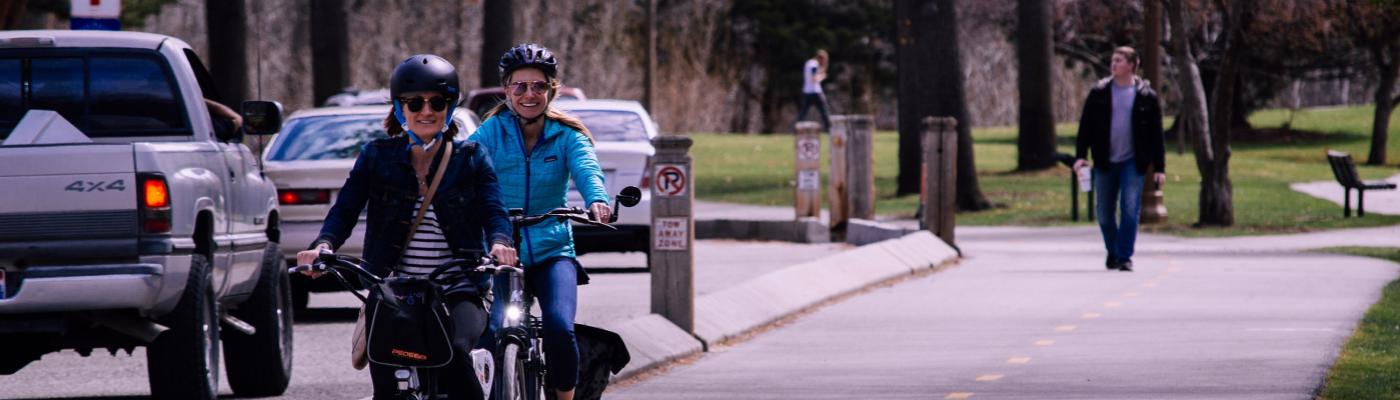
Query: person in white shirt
[(813, 73)]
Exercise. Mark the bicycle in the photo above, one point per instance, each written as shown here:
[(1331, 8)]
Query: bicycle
[(417, 375), (523, 366)]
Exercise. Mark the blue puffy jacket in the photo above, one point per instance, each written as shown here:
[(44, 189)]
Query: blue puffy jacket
[(539, 181)]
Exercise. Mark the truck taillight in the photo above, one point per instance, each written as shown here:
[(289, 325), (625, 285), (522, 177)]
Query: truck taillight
[(294, 197), (156, 194), (155, 204)]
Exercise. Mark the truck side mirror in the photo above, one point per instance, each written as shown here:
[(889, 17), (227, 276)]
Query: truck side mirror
[(262, 117)]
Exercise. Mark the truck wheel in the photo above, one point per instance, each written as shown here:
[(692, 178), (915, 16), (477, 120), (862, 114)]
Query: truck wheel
[(183, 362), (260, 365)]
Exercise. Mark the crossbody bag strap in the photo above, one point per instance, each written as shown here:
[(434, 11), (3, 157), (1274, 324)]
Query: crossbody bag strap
[(428, 198)]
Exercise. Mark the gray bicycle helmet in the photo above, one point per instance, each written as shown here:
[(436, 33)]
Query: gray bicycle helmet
[(528, 55), (424, 72)]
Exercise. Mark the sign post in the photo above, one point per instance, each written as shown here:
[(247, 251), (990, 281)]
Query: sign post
[(95, 15), (673, 232), (809, 170)]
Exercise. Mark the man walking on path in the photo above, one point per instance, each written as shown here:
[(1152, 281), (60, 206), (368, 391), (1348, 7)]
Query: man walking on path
[(813, 73), (1122, 125)]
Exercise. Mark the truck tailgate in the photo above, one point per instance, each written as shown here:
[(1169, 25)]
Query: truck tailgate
[(57, 193)]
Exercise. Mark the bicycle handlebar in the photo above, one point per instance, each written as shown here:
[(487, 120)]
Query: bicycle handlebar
[(575, 214)]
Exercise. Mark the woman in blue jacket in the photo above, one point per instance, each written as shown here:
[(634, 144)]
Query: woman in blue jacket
[(536, 150), (392, 175)]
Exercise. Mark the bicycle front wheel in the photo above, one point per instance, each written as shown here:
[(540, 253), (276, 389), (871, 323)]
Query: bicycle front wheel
[(511, 385)]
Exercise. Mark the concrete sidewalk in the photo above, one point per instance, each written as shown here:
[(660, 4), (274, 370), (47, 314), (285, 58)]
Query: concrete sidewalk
[(1377, 201)]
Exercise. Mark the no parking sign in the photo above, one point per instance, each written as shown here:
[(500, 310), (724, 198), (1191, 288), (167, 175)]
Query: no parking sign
[(670, 180)]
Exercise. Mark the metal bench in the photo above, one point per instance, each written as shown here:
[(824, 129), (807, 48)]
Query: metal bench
[(1345, 171)]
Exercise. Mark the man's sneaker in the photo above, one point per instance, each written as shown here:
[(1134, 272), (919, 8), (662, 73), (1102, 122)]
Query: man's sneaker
[(1125, 266), (1110, 263)]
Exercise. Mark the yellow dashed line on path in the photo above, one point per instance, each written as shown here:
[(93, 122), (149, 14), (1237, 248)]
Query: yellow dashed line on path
[(1112, 304), (1174, 269), (1131, 294), (958, 395), (1090, 315), (1043, 343), (1018, 360), (989, 377), (1150, 285), (1064, 328)]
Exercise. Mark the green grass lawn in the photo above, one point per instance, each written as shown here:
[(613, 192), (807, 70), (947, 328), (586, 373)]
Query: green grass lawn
[(1367, 367), (758, 169)]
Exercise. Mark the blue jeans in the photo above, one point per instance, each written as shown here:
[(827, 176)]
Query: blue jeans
[(1119, 185), (555, 286), (814, 99)]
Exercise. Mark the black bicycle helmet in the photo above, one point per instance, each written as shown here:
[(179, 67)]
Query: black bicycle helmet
[(528, 55), (424, 72)]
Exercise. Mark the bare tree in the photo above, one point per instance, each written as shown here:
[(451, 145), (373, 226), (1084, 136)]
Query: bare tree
[(1375, 29), (330, 49), (931, 84), (1035, 143), (1210, 129)]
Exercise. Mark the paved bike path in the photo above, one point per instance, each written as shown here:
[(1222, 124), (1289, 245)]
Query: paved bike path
[(1031, 314)]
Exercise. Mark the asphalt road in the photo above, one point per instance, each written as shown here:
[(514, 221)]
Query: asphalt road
[(1048, 324)]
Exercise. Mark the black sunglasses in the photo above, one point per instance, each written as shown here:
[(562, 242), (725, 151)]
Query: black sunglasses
[(416, 104)]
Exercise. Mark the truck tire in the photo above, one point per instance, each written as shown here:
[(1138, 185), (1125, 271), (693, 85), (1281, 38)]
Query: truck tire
[(260, 365), (173, 361)]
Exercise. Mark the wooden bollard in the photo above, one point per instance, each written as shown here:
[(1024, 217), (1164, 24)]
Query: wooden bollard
[(1154, 205), (808, 196), (838, 208), (941, 176), (860, 166), (673, 232)]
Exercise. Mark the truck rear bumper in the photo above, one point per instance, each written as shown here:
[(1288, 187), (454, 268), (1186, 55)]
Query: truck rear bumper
[(152, 286)]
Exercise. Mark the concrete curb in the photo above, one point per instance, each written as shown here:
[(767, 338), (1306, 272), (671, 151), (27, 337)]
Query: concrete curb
[(652, 340), (861, 232), (732, 312)]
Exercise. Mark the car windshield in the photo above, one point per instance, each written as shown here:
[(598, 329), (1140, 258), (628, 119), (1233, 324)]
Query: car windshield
[(327, 137), (613, 126)]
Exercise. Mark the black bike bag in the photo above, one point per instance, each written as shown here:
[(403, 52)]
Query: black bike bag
[(408, 328)]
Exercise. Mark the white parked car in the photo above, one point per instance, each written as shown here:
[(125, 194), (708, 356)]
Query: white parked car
[(622, 131), (309, 161)]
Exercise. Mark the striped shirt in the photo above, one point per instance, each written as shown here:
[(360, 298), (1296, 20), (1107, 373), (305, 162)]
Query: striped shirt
[(428, 249)]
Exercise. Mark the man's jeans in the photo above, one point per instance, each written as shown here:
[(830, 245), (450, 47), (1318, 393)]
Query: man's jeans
[(1119, 234)]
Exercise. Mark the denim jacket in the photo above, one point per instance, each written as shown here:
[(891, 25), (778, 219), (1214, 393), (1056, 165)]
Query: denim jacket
[(539, 181), (467, 202)]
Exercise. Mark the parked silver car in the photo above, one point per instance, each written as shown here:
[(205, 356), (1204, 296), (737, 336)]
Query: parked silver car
[(309, 161), (623, 131)]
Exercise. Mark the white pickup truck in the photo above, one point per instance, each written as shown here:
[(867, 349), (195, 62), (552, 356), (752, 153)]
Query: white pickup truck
[(128, 219)]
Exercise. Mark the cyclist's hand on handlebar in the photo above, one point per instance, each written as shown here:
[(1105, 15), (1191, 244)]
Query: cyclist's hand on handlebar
[(505, 255), (306, 257), (601, 212)]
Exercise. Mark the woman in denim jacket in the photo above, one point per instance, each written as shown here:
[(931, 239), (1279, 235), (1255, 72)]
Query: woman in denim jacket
[(537, 149), (392, 176)]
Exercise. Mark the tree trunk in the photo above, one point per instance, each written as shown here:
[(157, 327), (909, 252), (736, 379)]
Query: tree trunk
[(11, 13), (911, 90), (1191, 120), (1385, 104), (649, 79), (497, 36), (330, 49), (933, 86), (228, 51), (1035, 144)]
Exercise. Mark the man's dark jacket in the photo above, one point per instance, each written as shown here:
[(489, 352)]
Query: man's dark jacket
[(467, 203), (1146, 124)]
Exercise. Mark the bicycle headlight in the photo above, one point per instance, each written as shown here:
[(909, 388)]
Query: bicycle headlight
[(513, 314)]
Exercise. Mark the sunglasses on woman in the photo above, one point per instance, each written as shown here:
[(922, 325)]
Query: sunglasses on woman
[(415, 104), (519, 88)]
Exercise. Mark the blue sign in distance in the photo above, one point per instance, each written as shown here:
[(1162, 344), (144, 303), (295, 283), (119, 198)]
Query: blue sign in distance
[(95, 24)]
